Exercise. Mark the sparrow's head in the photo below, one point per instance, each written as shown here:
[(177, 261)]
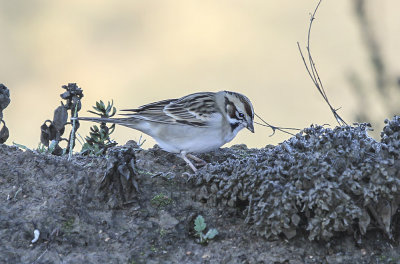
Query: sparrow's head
[(239, 111)]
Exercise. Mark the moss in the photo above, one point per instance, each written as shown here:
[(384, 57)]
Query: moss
[(161, 200)]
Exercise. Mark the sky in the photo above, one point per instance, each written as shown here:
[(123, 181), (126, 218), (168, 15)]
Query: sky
[(137, 52)]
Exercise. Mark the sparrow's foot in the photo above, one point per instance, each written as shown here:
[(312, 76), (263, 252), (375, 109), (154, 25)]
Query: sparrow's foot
[(188, 162), (198, 161)]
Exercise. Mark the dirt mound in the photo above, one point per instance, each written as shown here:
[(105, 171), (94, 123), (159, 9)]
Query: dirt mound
[(83, 218)]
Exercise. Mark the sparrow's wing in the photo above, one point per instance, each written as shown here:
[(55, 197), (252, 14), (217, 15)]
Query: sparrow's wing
[(194, 109), (153, 112)]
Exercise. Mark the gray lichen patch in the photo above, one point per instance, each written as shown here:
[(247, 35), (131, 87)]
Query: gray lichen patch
[(321, 181), (390, 136)]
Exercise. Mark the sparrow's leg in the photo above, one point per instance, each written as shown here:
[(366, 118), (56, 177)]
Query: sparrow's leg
[(184, 157), (198, 160)]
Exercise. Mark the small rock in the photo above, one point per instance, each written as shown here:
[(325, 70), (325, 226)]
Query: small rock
[(206, 256), (166, 221)]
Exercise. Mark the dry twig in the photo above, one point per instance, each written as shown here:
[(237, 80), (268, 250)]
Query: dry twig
[(274, 128), (313, 72)]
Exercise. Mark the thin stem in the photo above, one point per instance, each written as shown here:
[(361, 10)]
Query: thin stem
[(71, 143), (313, 72), (274, 128)]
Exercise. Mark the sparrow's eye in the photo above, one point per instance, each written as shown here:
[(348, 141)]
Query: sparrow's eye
[(241, 115)]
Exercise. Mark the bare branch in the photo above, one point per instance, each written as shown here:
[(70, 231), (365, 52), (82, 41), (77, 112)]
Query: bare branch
[(313, 72)]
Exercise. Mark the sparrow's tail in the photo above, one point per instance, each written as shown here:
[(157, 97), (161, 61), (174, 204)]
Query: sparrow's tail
[(97, 119), (128, 122)]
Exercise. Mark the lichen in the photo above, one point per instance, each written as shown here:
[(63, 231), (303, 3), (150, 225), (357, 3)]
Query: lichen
[(322, 181)]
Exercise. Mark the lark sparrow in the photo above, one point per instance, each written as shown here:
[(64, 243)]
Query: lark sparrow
[(195, 123)]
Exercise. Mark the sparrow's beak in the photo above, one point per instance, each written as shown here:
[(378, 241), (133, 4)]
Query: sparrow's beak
[(250, 127)]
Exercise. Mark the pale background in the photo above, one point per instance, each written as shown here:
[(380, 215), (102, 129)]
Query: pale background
[(136, 52)]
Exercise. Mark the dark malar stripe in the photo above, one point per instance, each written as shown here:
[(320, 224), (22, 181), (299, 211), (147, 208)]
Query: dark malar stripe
[(234, 126)]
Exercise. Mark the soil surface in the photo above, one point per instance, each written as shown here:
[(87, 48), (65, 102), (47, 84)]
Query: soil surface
[(81, 220)]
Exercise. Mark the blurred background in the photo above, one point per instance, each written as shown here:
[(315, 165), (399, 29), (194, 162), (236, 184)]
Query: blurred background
[(136, 52)]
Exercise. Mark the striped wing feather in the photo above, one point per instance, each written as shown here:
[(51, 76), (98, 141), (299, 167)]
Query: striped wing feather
[(178, 111)]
